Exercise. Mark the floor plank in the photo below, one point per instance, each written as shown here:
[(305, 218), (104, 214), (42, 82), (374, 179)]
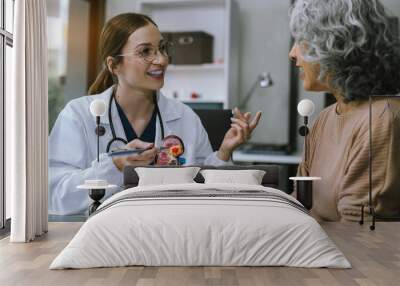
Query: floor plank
[(375, 257)]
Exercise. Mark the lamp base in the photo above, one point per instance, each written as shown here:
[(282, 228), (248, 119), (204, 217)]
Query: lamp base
[(305, 193), (371, 212), (96, 195)]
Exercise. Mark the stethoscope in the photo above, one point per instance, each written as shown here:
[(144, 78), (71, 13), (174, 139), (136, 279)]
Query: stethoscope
[(115, 138)]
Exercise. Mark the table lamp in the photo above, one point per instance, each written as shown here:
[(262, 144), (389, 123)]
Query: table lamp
[(304, 184), (97, 188), (305, 108), (97, 109), (263, 80)]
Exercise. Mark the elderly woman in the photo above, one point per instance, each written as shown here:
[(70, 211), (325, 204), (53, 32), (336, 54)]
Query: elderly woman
[(346, 47)]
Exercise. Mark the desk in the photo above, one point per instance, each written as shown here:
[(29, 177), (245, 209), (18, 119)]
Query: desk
[(288, 165), (240, 156)]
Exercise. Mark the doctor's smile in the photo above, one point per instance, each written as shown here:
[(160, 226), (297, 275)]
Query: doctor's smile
[(156, 74)]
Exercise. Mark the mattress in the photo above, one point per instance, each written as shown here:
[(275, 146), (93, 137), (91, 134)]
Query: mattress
[(201, 225)]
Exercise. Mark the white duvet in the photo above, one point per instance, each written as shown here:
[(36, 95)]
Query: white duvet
[(188, 231)]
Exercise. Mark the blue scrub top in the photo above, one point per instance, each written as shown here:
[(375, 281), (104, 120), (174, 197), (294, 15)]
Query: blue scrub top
[(148, 135)]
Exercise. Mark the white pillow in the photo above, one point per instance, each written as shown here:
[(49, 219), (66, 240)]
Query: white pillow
[(164, 176), (248, 177)]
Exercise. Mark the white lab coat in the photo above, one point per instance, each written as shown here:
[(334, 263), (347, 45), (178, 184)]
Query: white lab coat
[(73, 148)]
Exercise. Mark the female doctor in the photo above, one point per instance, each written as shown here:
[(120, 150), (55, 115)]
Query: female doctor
[(135, 59)]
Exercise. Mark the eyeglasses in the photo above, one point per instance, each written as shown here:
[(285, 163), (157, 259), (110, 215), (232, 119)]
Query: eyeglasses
[(148, 53)]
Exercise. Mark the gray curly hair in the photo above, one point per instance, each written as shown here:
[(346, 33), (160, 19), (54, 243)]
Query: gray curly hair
[(352, 41)]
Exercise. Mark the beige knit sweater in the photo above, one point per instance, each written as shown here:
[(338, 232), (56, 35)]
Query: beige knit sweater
[(338, 152)]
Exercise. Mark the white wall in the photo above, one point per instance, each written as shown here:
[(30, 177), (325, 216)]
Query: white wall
[(264, 45), (265, 41)]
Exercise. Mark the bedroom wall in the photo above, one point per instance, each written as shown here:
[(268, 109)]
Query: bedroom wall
[(264, 45)]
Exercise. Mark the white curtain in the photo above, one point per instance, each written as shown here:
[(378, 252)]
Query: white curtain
[(27, 123)]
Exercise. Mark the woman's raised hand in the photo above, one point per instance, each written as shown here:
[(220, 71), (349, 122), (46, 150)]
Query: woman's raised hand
[(240, 132), (145, 158)]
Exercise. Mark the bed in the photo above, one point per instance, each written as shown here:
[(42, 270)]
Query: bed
[(201, 224)]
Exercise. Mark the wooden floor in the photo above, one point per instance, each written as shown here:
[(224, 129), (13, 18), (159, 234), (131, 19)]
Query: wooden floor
[(375, 257)]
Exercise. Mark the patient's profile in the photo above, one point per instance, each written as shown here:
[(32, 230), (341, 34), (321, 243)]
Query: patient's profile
[(346, 48)]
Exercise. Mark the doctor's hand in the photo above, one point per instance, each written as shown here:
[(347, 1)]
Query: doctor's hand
[(241, 128), (145, 158)]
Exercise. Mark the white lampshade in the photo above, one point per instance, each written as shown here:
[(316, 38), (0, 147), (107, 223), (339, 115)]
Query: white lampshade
[(306, 107), (98, 107)]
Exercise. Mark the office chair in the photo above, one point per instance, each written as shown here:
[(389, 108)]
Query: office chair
[(217, 123)]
